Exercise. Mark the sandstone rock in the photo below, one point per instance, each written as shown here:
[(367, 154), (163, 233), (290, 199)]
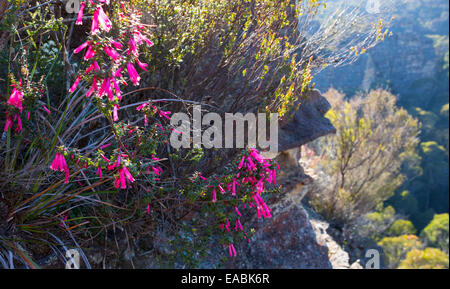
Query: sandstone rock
[(287, 241), (339, 258), (307, 123)]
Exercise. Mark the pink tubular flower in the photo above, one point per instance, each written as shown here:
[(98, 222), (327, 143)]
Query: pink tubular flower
[(46, 109), (81, 47), (241, 164), (124, 176), (143, 66), (132, 47), (257, 156), (145, 120), (117, 89), (112, 53), (59, 164), (128, 175), (118, 73), (9, 122), (19, 123), (222, 191), (94, 67), (75, 84), (141, 106), (234, 186), (89, 53), (273, 176), (117, 45), (115, 114), (232, 250), (251, 164), (16, 98), (103, 20), (108, 90), (164, 114), (106, 160), (105, 88), (94, 25), (237, 211), (146, 40), (105, 146), (134, 76), (238, 225), (80, 14), (262, 207), (94, 87), (122, 181), (157, 170), (99, 172), (214, 196)]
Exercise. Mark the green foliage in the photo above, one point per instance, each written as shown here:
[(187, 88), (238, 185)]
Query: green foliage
[(376, 224), (253, 45), (395, 249), (427, 118), (430, 258), (431, 147), (401, 227), (405, 202), (436, 233)]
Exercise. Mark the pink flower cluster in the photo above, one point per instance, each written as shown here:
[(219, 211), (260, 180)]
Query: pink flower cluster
[(16, 101), (107, 59), (255, 172), (161, 113), (59, 164), (107, 83)]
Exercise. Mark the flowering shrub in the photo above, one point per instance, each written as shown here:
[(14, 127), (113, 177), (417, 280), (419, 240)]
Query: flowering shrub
[(21, 102), (86, 160), (242, 190), (129, 159)]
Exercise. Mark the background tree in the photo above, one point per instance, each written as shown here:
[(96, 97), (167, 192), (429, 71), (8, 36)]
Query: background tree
[(436, 233), (402, 227), (374, 140), (430, 258), (395, 249)]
